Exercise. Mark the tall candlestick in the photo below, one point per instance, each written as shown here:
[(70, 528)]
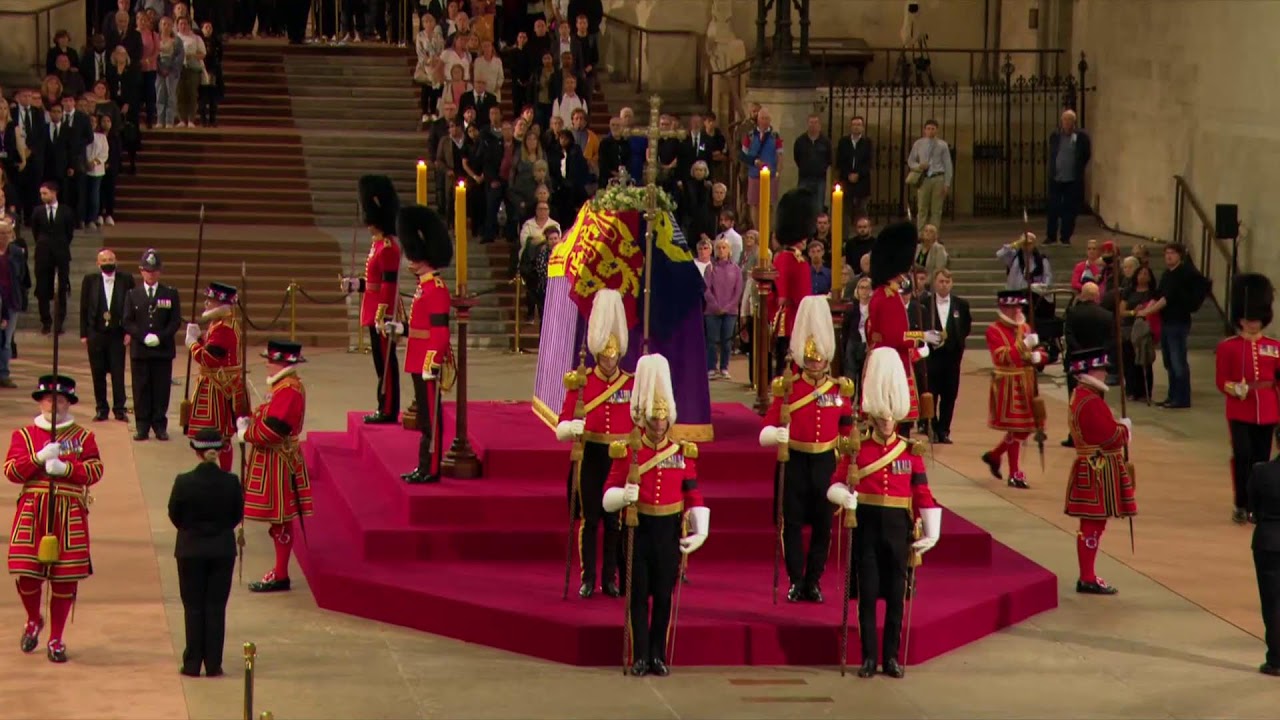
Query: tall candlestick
[(837, 241), (460, 234), (766, 235), (422, 183)]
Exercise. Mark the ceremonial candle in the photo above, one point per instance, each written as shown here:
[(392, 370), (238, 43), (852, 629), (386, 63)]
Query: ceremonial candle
[(837, 240), (422, 182), (460, 233), (766, 236)]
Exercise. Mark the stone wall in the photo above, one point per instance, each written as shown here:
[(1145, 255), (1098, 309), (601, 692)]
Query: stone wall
[(1182, 90), (25, 40)]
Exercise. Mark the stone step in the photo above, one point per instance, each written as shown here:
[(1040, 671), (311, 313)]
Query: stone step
[(350, 120), (355, 89), (308, 109), (218, 195), (151, 214), (190, 141), (308, 73), (252, 121), (261, 170), (287, 157)]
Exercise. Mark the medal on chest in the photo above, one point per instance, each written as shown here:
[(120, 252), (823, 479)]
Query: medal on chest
[(901, 467), (675, 462), (829, 400), (622, 397)]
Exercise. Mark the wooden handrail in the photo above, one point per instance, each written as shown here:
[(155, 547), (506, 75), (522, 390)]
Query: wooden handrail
[(637, 51), (1181, 183)]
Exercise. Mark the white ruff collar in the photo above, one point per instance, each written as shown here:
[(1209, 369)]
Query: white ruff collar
[(42, 422), (214, 313), (1092, 382), (281, 375)]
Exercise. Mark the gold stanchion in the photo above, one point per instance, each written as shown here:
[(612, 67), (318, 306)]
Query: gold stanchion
[(516, 347), (292, 293), (266, 715), (250, 656)]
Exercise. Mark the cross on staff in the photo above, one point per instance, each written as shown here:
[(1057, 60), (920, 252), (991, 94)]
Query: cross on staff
[(654, 133)]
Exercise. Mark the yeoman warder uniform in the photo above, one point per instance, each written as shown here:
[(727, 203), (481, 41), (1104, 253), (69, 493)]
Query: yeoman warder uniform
[(380, 291), (605, 396), (220, 395), (1010, 403), (657, 479), (885, 484), (810, 412), (56, 466), (277, 489)]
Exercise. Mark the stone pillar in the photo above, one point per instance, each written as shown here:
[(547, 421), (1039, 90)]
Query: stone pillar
[(790, 109)]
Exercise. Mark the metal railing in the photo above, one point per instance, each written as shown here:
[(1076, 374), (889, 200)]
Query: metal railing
[(885, 64), (633, 43), (1204, 245), (43, 32)]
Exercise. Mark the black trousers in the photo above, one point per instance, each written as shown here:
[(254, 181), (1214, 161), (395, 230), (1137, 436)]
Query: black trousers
[(106, 358), (294, 15), (387, 400), (881, 548), (804, 502), (328, 18), (780, 348), (655, 565), (47, 268), (590, 508), (1267, 565), (205, 585), (431, 445), (1063, 206), (1249, 444), (944, 381), (151, 389)]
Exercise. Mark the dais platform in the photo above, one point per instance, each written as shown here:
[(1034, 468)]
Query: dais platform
[(483, 560)]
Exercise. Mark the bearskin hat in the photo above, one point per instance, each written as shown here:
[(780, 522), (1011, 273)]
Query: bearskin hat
[(797, 219), (424, 237), (379, 203), (893, 252), (1251, 297)]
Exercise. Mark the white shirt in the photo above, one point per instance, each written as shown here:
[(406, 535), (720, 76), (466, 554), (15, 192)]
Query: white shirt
[(943, 304), (151, 291), (52, 210), (489, 70), (564, 107), (108, 285), (863, 312), (702, 266), (96, 155), (450, 58)]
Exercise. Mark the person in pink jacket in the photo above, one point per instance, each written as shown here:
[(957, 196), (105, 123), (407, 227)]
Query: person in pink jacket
[(724, 290)]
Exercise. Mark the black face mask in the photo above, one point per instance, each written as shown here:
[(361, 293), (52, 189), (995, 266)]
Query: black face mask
[(108, 268)]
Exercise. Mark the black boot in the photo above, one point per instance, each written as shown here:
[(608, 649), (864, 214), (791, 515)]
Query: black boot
[(57, 651), (587, 590), (795, 594), (813, 593), (640, 668), (379, 418), (1097, 587), (993, 464), (417, 477), (893, 669), (269, 584), (31, 636), (612, 590), (868, 669), (659, 668), (1239, 516)]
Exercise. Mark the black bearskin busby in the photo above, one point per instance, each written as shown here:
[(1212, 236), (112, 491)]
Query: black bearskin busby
[(893, 253), (424, 237), (379, 203), (1251, 297), (796, 220)]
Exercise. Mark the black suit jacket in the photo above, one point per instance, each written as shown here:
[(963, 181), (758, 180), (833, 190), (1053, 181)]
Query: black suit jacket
[(957, 325), (850, 159), (53, 238), (1088, 325), (1264, 503), (94, 305), (161, 316), (58, 156), (205, 506), (486, 101), (89, 68), (691, 153)]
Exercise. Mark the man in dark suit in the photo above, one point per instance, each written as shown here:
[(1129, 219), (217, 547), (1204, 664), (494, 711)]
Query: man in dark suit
[(55, 151), (102, 300), (949, 315), (152, 315), (1086, 324), (854, 156), (1069, 150), (95, 61), (1264, 508), (480, 99), (693, 147), (53, 227)]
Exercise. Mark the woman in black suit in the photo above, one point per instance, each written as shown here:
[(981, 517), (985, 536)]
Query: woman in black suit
[(205, 506)]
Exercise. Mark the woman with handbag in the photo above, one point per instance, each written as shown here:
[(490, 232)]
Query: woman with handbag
[(205, 505)]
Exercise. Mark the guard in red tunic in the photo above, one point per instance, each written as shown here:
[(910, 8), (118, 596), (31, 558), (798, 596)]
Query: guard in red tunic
[(810, 412), (606, 401), (380, 290), (884, 482), (57, 462), (1101, 482), (220, 395), (887, 321), (657, 479), (1015, 358), (1248, 364), (277, 489), (428, 357), (796, 222)]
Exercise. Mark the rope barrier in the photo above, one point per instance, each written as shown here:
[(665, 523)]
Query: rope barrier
[(317, 301)]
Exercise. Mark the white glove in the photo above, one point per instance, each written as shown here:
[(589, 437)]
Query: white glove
[(1039, 288), (193, 334), (614, 499), (393, 326), (772, 435), (350, 284), (840, 494), (1030, 340), (428, 373), (150, 340), (923, 351), (570, 430), (1240, 389), (933, 337), (1036, 357), (1128, 426), (630, 494), (49, 452), (242, 424), (932, 518), (699, 526), (56, 467)]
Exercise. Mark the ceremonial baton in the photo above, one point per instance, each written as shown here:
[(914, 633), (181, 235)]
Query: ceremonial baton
[(184, 410), (1038, 411), (850, 522), (781, 394), (244, 387), (675, 610), (50, 549), (632, 519), (1120, 370), (576, 381)]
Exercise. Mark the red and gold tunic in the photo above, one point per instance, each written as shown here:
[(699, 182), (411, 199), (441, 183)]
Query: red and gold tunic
[(1009, 406), (668, 475), (888, 473), (71, 500), (1255, 361), (793, 284), (220, 395), (278, 487), (428, 330), (607, 401), (379, 284), (888, 326), (1099, 486), (819, 412)]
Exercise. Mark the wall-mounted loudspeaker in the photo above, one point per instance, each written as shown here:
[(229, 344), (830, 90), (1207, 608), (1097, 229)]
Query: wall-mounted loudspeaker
[(1226, 222)]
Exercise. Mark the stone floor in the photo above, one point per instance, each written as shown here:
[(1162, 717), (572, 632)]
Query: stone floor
[(1181, 640)]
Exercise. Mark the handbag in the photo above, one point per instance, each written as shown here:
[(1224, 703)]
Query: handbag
[(420, 75), (913, 178)]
